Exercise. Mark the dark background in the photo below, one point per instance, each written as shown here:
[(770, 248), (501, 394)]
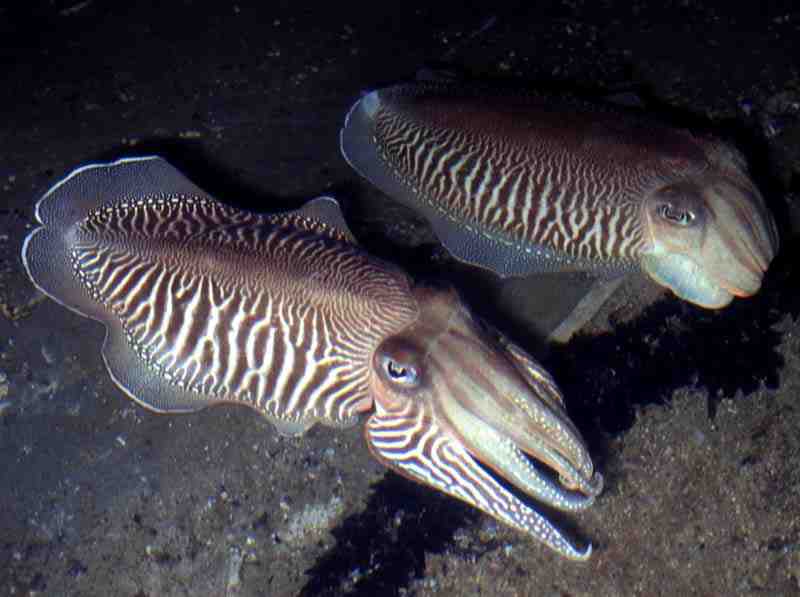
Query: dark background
[(691, 414)]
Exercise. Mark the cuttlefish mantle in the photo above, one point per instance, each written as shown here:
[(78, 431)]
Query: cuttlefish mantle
[(522, 183), (204, 304)]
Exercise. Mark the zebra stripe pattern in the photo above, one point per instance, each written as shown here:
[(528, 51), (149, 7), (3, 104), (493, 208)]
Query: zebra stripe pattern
[(412, 442), (278, 312), (542, 196), (204, 303)]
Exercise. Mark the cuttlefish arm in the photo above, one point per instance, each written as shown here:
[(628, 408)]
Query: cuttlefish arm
[(205, 304), (451, 401)]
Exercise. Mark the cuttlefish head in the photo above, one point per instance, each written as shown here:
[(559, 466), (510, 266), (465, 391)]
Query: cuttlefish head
[(711, 238), (461, 409)]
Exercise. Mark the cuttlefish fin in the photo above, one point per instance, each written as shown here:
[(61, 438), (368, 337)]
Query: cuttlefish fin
[(55, 253), (134, 377), (490, 251), (161, 394), (327, 210), (45, 253), (46, 256), (359, 151)]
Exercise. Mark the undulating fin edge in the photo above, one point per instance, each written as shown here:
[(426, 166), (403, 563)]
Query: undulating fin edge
[(46, 258), (45, 253)]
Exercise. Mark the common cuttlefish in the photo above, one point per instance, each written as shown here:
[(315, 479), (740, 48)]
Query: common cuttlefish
[(521, 182), (206, 304)]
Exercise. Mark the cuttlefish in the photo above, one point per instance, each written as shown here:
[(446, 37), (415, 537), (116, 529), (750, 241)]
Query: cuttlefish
[(206, 304), (522, 183)]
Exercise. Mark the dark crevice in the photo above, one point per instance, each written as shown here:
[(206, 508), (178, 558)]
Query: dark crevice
[(728, 353), (383, 548), (606, 379)]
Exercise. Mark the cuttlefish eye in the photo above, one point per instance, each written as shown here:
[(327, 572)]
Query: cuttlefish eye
[(398, 364), (400, 372), (676, 215), (679, 205)]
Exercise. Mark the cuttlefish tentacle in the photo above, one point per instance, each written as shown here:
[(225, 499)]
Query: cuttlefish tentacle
[(520, 182), (206, 304), (437, 460), (507, 406)]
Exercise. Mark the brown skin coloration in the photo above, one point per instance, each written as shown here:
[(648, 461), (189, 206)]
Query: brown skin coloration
[(521, 182), (205, 304), (497, 407)]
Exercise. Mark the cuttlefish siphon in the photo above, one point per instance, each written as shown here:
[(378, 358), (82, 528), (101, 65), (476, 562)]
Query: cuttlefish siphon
[(206, 304), (521, 182)]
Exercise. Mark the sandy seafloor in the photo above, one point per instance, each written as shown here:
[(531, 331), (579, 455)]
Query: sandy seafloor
[(691, 415)]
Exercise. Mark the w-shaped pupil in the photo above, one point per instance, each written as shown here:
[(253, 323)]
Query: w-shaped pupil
[(396, 371), (677, 215)]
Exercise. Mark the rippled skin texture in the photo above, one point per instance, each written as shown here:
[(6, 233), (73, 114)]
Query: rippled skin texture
[(521, 183), (205, 304)]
